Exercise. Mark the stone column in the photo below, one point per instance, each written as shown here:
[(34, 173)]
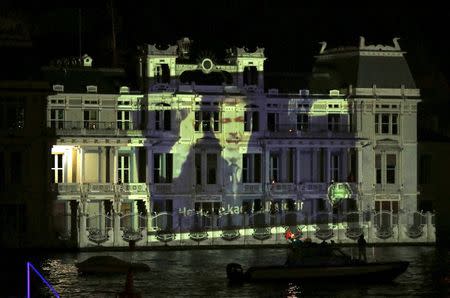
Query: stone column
[(134, 165), (359, 174), (297, 165), (114, 164), (315, 175), (282, 167), (82, 237), (327, 165), (344, 164)]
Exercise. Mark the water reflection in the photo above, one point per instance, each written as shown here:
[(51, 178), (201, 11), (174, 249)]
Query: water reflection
[(202, 273)]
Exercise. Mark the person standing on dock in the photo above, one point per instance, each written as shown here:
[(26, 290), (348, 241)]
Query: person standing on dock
[(362, 248)]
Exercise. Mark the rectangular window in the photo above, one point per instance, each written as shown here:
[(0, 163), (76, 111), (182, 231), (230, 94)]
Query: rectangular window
[(16, 168), (57, 168), (386, 123), (274, 168), (57, 118), (211, 168), (389, 206), (123, 120), (334, 121), (198, 168), (162, 167), (334, 168), (90, 119), (123, 175), (378, 168), (251, 121), (251, 168), (394, 118), (302, 122), (391, 162), (273, 121), (207, 121), (163, 120)]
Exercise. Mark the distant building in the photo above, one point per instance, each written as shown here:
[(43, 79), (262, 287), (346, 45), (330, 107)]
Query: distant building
[(204, 137)]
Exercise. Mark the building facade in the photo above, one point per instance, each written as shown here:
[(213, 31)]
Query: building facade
[(204, 146)]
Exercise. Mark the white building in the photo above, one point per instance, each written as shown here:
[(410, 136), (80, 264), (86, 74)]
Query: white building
[(191, 149)]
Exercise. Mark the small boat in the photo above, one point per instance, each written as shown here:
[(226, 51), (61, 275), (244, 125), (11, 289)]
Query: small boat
[(371, 272), (109, 264), (317, 262)]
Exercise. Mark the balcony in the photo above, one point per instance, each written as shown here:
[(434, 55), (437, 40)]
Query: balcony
[(162, 188), (281, 188), (314, 187), (251, 188), (78, 128), (67, 191), (311, 130), (100, 191)]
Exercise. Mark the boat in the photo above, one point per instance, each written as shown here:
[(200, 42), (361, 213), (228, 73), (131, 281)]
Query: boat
[(109, 264), (319, 262)]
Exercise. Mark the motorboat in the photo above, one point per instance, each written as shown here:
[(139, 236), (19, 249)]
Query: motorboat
[(109, 264), (319, 262)]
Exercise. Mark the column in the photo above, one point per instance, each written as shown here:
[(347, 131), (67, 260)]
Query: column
[(116, 223), (80, 165), (282, 167), (82, 236), (344, 164), (101, 162), (113, 164), (149, 167), (260, 70), (134, 165), (327, 165), (266, 165), (314, 170), (297, 165), (359, 174)]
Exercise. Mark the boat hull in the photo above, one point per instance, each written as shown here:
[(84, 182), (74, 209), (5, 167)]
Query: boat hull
[(374, 272)]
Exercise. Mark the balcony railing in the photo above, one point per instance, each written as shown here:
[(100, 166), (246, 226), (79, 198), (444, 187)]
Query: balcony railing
[(282, 187), (93, 189), (92, 125), (313, 187), (251, 187), (294, 130)]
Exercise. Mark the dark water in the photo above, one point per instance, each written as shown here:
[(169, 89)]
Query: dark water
[(201, 273)]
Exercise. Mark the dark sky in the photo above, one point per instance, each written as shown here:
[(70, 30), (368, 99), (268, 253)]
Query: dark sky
[(289, 30)]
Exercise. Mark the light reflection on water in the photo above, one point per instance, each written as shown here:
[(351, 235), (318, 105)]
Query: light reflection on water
[(202, 273)]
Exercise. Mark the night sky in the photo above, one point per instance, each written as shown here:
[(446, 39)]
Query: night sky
[(289, 30)]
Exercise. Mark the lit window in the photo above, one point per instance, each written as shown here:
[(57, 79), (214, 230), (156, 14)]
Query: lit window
[(57, 168), (123, 169), (123, 120)]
